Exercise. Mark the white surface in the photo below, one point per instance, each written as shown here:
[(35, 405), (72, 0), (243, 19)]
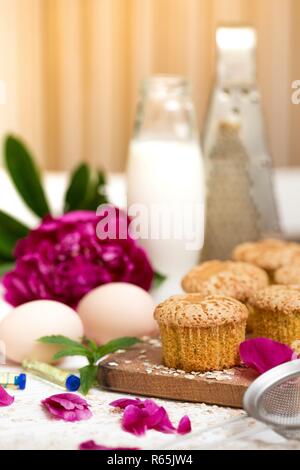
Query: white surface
[(25, 425)]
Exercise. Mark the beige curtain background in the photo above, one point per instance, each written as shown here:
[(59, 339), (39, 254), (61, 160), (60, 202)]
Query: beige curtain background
[(72, 69)]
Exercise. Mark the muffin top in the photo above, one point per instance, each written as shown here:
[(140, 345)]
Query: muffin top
[(269, 254), (283, 299), (196, 310), (229, 278), (288, 275)]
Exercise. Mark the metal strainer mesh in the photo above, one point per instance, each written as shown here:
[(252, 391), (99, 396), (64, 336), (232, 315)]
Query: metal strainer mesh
[(274, 398), (281, 404)]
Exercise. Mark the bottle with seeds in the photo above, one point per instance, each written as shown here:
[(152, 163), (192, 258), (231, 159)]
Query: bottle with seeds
[(240, 204)]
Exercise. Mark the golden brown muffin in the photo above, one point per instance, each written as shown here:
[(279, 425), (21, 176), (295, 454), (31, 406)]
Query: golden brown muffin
[(268, 254), (288, 275), (201, 333), (230, 278), (276, 313)]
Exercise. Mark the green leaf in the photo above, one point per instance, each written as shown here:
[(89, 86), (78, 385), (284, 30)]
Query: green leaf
[(158, 280), (78, 188), (114, 345), (5, 268), (25, 175), (73, 352), (13, 226), (96, 194), (6, 247), (86, 189), (88, 377), (91, 344), (62, 341), (11, 231)]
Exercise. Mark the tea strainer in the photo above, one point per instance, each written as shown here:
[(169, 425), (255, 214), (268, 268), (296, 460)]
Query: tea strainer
[(274, 399)]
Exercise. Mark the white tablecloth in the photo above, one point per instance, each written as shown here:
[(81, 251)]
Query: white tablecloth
[(25, 425)]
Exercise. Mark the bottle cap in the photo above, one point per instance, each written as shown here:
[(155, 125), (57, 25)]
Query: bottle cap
[(72, 383), (236, 47), (21, 381)]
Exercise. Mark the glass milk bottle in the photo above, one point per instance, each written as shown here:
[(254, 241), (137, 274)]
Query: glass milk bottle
[(165, 179)]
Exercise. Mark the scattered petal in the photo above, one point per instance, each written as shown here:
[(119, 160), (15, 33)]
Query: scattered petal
[(123, 402), (91, 445), (158, 418), (141, 415), (135, 420), (67, 406), (262, 354), (184, 426), (5, 398)]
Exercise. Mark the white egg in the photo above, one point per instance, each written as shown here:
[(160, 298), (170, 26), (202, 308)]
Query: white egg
[(115, 310), (24, 325)]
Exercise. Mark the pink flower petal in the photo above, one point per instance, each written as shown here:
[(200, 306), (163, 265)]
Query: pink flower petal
[(123, 402), (67, 406), (91, 445), (134, 420), (184, 426), (263, 354), (141, 415), (5, 398), (158, 418)]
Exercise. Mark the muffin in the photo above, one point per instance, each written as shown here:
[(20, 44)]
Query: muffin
[(268, 254), (201, 333), (288, 275), (230, 278), (276, 313)]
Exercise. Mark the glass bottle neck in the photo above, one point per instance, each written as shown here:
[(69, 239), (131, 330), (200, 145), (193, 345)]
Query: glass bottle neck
[(165, 110), (165, 87)]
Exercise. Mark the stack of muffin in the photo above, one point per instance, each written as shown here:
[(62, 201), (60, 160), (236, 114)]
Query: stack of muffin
[(258, 290)]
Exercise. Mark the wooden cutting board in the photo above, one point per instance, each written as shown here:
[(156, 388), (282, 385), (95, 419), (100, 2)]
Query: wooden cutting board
[(139, 371)]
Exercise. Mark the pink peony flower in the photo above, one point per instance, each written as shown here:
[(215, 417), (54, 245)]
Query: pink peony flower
[(91, 445), (262, 354), (5, 398), (63, 259), (141, 415), (67, 406)]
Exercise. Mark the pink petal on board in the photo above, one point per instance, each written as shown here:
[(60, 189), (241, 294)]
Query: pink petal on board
[(262, 354)]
